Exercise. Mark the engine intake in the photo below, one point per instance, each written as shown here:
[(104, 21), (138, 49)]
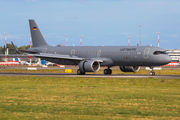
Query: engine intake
[(89, 66), (129, 68)]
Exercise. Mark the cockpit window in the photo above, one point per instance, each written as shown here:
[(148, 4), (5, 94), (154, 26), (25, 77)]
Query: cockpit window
[(159, 52)]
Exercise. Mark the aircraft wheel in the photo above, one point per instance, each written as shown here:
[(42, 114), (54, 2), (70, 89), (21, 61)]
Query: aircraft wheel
[(79, 72), (109, 71), (82, 73), (152, 73), (105, 71)]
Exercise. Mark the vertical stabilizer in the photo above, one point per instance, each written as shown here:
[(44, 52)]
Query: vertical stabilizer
[(36, 35)]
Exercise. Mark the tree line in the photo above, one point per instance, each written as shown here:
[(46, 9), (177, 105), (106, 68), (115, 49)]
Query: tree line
[(11, 48)]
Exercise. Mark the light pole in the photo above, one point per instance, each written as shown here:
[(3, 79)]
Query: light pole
[(158, 37), (66, 38), (81, 40), (129, 40), (140, 35), (5, 46)]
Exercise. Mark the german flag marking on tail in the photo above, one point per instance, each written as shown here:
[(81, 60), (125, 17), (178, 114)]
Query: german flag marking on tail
[(34, 28)]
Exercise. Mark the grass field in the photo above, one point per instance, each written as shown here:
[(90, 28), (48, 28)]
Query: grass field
[(32, 97)]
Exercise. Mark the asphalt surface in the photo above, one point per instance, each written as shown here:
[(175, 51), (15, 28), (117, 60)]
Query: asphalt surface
[(87, 75), (91, 75)]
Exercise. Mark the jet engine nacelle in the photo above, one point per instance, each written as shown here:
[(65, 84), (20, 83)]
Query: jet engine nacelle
[(129, 68), (89, 66)]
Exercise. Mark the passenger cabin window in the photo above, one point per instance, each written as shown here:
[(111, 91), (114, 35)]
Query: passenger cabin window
[(159, 52)]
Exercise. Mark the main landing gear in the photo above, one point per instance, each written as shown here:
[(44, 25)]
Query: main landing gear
[(79, 72), (107, 71), (152, 71)]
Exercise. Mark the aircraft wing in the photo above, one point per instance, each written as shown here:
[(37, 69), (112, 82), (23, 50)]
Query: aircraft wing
[(61, 56), (57, 56)]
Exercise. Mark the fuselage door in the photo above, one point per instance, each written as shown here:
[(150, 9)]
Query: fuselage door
[(146, 52), (44, 50), (99, 53), (72, 52)]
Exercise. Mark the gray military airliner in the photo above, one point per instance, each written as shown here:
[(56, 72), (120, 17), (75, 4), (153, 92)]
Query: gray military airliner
[(90, 58)]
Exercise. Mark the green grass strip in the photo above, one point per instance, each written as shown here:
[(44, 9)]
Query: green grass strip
[(31, 97)]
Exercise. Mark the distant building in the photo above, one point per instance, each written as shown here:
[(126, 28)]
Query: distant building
[(22, 57), (174, 54)]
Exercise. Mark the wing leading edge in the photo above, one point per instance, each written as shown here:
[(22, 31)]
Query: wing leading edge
[(60, 56), (57, 56)]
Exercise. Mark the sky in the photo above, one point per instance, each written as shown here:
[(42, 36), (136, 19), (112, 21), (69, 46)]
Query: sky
[(101, 22)]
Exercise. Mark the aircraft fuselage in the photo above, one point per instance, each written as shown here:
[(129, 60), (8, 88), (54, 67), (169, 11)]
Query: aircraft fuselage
[(112, 55)]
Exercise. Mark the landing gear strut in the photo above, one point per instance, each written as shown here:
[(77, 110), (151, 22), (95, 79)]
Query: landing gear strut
[(152, 71), (107, 71), (79, 72)]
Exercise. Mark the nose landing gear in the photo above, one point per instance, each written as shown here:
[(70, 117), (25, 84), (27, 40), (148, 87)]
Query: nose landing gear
[(152, 71)]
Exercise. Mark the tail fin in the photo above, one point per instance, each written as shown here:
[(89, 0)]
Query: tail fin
[(37, 37)]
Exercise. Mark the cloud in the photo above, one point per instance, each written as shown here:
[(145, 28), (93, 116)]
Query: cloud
[(60, 37), (164, 41), (52, 34), (142, 36), (12, 37), (125, 33), (72, 39), (89, 37), (30, 0), (174, 35), (2, 37)]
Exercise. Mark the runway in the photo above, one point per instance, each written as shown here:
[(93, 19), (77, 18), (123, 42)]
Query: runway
[(91, 75)]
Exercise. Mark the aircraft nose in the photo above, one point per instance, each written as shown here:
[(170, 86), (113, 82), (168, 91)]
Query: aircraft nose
[(167, 59)]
